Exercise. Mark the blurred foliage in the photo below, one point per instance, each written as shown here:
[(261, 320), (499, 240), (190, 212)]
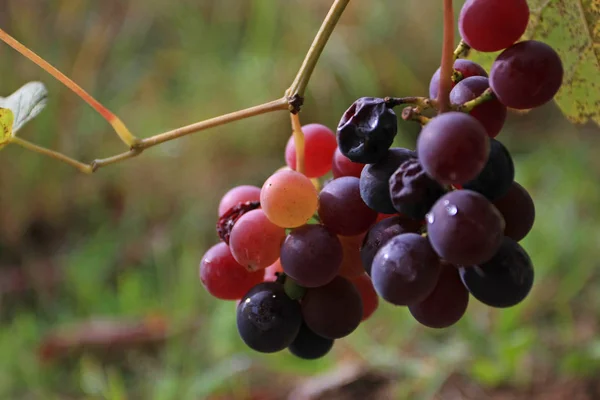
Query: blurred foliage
[(127, 241)]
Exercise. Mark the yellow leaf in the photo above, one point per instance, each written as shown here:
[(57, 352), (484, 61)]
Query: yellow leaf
[(6, 126), (572, 28)]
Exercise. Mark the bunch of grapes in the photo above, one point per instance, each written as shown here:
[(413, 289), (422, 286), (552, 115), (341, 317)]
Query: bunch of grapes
[(426, 228)]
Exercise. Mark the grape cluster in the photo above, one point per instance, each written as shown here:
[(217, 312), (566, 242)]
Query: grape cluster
[(290, 253), (426, 228)]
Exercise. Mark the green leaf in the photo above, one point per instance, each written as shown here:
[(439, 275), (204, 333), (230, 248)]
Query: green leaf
[(26, 103), (572, 28), (6, 125)]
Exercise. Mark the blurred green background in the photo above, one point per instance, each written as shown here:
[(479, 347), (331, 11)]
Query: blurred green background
[(126, 242)]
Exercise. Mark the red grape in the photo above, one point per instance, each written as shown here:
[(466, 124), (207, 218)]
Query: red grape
[(466, 68), (446, 305), (342, 209), (319, 146), (334, 310), (453, 148), (491, 113), (464, 228), (526, 75), (493, 25), (518, 210), (239, 194), (343, 166), (255, 241), (225, 278), (369, 297)]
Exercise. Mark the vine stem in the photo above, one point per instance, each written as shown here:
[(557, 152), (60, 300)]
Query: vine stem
[(275, 105), (291, 101), (447, 58), (316, 48), (85, 168), (112, 119), (298, 142)]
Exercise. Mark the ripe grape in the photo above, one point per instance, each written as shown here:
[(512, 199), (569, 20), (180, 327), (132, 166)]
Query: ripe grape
[(464, 228), (493, 25), (288, 198), (310, 346), (453, 148), (465, 67), (367, 130), (311, 255), (351, 262), (267, 319), (334, 310), (518, 210), (380, 233), (405, 270), (319, 145), (239, 194), (343, 166), (491, 113), (412, 191), (446, 304), (503, 281), (374, 180), (497, 176), (255, 241), (526, 75), (225, 278), (341, 208), (369, 297)]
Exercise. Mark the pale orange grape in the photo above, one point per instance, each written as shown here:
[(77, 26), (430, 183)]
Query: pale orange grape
[(288, 198)]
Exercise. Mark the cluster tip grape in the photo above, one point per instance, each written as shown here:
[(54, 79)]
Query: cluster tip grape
[(426, 229)]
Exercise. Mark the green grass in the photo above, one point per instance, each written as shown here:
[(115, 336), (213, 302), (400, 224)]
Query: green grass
[(165, 65)]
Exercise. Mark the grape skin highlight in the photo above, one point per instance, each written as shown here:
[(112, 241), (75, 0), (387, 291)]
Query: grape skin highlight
[(464, 228)]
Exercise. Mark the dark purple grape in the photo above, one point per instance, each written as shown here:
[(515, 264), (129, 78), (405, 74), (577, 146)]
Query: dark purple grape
[(491, 114), (526, 75), (342, 210), (380, 233), (498, 174), (453, 148), (503, 281), (334, 310), (311, 255), (310, 346), (466, 68), (518, 210), (446, 305), (405, 270), (464, 228), (367, 130), (413, 192), (374, 180), (267, 319)]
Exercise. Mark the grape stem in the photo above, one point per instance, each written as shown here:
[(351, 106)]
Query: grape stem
[(462, 50), (298, 86), (291, 101), (467, 107), (298, 142), (423, 103), (447, 59), (414, 114)]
